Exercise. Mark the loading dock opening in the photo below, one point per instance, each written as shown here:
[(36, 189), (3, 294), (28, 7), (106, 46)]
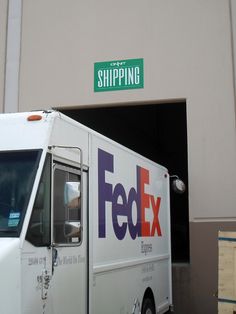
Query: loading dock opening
[(158, 132)]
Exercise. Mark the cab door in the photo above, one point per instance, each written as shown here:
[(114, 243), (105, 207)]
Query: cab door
[(36, 253), (54, 255), (68, 285)]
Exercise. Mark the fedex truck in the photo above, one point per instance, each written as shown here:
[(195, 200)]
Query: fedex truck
[(84, 221)]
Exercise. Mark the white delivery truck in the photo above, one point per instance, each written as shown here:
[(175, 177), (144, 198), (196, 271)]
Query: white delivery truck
[(84, 221)]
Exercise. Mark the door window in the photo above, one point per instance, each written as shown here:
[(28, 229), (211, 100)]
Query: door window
[(67, 206)]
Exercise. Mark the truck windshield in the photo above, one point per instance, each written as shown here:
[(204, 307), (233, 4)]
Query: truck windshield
[(17, 173)]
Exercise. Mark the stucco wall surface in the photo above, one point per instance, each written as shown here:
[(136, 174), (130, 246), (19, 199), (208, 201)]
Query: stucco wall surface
[(187, 52)]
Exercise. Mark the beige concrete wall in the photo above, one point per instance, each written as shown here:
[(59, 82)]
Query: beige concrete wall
[(186, 47), (3, 32)]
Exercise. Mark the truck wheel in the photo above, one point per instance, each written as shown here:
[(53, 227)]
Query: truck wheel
[(148, 307)]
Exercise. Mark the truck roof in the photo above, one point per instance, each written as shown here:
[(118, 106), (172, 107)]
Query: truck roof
[(40, 129)]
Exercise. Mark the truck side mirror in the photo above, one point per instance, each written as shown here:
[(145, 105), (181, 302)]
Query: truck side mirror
[(178, 185)]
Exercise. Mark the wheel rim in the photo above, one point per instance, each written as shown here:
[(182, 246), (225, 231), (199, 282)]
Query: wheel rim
[(148, 311)]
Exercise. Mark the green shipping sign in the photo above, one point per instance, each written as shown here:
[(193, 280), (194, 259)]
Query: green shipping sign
[(118, 75)]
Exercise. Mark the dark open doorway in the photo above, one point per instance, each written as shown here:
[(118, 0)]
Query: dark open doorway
[(158, 132)]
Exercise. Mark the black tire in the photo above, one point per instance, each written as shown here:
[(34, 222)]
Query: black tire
[(148, 307)]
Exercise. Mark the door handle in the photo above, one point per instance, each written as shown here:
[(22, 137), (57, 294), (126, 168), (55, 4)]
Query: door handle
[(54, 258)]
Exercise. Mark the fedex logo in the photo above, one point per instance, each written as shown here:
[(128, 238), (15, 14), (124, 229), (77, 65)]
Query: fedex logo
[(122, 202)]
